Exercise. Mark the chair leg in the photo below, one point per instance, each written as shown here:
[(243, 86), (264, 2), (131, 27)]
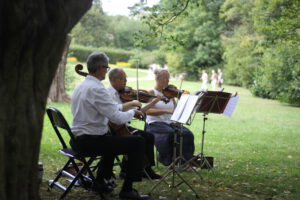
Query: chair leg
[(60, 173), (79, 175)]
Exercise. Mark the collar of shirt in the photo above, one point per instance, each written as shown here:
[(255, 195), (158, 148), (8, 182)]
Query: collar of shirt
[(93, 78), (115, 95)]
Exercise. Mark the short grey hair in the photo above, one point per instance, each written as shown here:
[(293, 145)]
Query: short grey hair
[(96, 60), (113, 73), (158, 72)]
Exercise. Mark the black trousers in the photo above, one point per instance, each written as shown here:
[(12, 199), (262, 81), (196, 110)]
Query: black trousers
[(108, 147), (149, 145)]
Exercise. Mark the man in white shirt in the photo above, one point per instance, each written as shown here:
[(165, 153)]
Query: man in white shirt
[(92, 107), (118, 80)]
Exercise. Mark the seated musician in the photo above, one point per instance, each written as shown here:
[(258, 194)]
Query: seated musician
[(117, 78), (92, 107), (159, 123)]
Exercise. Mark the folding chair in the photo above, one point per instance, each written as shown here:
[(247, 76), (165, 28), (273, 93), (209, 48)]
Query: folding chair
[(58, 122)]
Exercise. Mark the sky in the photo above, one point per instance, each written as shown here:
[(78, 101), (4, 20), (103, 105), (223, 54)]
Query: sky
[(120, 7)]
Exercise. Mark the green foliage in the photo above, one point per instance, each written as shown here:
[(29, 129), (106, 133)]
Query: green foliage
[(115, 55), (278, 19), (124, 30), (280, 75), (93, 28), (262, 47), (194, 37), (146, 58), (242, 59), (96, 29), (70, 76), (237, 13)]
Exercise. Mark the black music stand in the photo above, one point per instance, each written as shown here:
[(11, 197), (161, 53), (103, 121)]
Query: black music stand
[(182, 115), (211, 102)]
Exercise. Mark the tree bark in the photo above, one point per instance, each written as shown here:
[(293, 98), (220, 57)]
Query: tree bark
[(57, 91), (32, 38)]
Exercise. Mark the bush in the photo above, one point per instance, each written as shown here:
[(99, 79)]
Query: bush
[(279, 77), (115, 55), (242, 58)]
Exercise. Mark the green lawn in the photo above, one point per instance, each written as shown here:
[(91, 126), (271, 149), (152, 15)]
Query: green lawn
[(256, 152)]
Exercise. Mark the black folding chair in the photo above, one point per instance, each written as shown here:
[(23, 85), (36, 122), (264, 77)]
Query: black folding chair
[(58, 122)]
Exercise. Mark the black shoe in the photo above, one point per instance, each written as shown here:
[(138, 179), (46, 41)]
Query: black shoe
[(102, 187), (150, 173), (133, 195), (111, 182)]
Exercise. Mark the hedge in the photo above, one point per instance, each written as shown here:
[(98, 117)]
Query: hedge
[(115, 55)]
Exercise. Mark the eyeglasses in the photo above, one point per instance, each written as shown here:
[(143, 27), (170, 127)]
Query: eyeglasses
[(107, 68)]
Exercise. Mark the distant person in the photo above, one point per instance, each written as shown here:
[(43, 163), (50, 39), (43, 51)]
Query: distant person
[(220, 78), (214, 79), (204, 79)]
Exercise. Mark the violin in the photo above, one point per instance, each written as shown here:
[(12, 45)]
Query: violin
[(171, 91), (128, 94)]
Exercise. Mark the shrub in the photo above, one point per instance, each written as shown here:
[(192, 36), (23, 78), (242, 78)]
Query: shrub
[(279, 76), (115, 55)]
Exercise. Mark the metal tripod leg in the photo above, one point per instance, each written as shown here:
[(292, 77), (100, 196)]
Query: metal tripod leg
[(186, 164), (171, 170), (204, 163)]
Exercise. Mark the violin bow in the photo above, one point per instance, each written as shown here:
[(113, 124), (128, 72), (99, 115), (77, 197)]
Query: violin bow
[(181, 80), (137, 79), (182, 77)]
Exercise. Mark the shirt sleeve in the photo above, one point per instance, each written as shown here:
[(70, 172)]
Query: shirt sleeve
[(103, 103)]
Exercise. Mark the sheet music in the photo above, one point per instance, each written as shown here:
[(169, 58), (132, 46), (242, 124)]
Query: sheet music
[(184, 108), (231, 106), (179, 108)]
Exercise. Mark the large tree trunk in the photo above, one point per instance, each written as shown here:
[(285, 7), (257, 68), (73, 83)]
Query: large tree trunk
[(32, 38), (57, 91)]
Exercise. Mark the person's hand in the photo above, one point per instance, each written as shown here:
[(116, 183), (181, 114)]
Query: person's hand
[(157, 99), (138, 114), (136, 103)]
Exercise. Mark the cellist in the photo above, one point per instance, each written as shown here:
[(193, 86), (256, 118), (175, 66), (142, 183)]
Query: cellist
[(92, 107), (118, 80)]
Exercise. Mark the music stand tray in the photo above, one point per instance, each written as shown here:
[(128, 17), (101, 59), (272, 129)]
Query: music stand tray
[(213, 102), (210, 102)]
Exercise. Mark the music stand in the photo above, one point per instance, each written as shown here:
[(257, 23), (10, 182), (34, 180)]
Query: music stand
[(211, 102), (182, 115)]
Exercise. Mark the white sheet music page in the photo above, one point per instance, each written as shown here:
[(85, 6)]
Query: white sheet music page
[(184, 108), (189, 107), (179, 108), (231, 106)]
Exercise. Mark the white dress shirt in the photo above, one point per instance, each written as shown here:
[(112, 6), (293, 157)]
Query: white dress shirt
[(115, 96), (92, 107)]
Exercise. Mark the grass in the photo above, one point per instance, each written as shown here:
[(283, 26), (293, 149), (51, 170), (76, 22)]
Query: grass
[(256, 152)]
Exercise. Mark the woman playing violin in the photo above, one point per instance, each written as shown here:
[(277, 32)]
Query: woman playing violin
[(117, 78), (159, 122)]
